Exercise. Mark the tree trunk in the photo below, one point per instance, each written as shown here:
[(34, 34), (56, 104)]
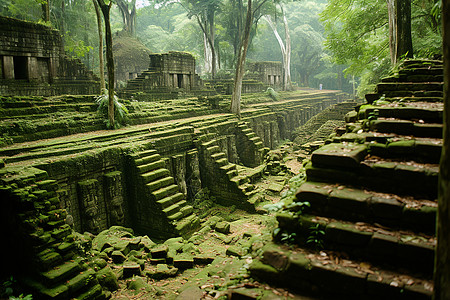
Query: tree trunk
[(109, 60), (207, 54), (288, 81), (128, 16), (212, 31), (283, 49), (392, 29), (403, 32), (46, 11), (100, 46), (242, 53), (442, 259)]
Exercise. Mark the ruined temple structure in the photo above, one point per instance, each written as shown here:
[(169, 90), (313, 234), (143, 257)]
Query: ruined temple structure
[(172, 75), (143, 177), (169, 75), (258, 77), (268, 72), (130, 58), (32, 62)]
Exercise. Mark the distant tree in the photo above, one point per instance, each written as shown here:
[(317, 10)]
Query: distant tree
[(105, 8), (253, 11), (100, 46), (46, 10), (204, 11), (285, 49), (128, 12)]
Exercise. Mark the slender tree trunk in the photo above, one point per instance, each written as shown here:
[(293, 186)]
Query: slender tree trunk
[(100, 46), (288, 81), (211, 39), (240, 65), (46, 11), (285, 50), (109, 60), (442, 258), (282, 47), (128, 16), (404, 39), (207, 54), (392, 29), (63, 17)]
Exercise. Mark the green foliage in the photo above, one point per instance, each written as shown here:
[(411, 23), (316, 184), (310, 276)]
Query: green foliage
[(298, 207), (273, 94), (120, 111), (78, 47), (7, 291), (21, 9), (284, 236), (316, 236)]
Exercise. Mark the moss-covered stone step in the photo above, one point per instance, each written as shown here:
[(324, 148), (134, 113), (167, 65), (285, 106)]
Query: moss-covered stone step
[(170, 200), (353, 204), (411, 178), (409, 93), (345, 155), (160, 183), (405, 127), (165, 191), (401, 86), (61, 272), (186, 226), (152, 166), (428, 115), (331, 275), (373, 243), (424, 150)]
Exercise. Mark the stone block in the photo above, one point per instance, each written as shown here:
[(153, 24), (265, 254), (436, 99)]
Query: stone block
[(350, 200), (118, 257), (183, 262), (222, 227), (316, 193), (160, 251), (346, 234), (339, 155), (131, 269), (386, 208), (382, 246)]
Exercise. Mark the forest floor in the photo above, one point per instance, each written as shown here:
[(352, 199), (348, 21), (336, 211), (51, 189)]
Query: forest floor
[(229, 253)]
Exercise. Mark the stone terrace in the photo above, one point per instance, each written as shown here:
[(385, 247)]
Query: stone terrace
[(104, 178)]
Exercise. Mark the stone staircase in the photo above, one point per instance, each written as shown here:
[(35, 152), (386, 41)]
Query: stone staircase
[(369, 230), (41, 242), (223, 178), (159, 208), (249, 146)]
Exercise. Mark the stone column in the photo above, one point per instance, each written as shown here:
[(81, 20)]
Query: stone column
[(8, 67), (113, 191), (88, 198), (179, 171), (193, 181), (32, 68)]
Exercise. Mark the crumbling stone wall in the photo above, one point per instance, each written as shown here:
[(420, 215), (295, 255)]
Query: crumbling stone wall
[(268, 72), (32, 62)]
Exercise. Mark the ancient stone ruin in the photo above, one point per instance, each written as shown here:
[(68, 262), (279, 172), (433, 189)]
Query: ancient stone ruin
[(188, 202), (32, 62)]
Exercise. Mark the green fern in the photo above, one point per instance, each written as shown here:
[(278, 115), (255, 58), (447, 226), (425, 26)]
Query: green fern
[(120, 110)]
